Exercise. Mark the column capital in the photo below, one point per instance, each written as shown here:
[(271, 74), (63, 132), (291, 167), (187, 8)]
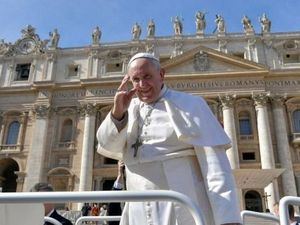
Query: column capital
[(278, 100), (88, 109), (260, 99), (23, 117), (21, 176), (227, 100), (41, 110)]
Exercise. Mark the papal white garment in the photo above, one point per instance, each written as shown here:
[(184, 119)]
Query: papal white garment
[(183, 150)]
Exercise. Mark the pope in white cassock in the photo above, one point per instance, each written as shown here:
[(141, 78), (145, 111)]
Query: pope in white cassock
[(168, 140)]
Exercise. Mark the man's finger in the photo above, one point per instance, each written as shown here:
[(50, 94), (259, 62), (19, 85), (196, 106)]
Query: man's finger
[(123, 83), (131, 93)]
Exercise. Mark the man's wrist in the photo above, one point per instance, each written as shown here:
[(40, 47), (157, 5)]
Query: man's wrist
[(120, 124), (118, 117)]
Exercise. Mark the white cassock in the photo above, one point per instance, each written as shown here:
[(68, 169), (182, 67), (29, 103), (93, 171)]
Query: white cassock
[(183, 150)]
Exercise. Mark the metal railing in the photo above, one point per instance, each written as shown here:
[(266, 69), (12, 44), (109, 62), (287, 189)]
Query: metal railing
[(266, 216), (97, 218), (105, 196), (283, 208), (51, 220)]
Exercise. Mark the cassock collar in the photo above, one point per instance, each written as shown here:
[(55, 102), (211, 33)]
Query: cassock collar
[(162, 93)]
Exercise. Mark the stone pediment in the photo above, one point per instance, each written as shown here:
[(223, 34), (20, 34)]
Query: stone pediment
[(203, 60)]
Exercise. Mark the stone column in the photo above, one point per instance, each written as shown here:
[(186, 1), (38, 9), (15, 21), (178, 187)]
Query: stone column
[(283, 148), (1, 127), (50, 67), (22, 121), (265, 144), (93, 64), (36, 156), (87, 155), (230, 129)]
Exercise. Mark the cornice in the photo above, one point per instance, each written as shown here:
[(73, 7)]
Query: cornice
[(214, 54), (285, 72), (226, 74)]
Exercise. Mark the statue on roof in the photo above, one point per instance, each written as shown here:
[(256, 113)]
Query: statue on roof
[(54, 38), (177, 26), (265, 23), (136, 31), (151, 28), (28, 31), (200, 22), (220, 24), (96, 36), (248, 28)]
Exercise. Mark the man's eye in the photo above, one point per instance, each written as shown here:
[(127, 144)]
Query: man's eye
[(147, 77), (136, 80)]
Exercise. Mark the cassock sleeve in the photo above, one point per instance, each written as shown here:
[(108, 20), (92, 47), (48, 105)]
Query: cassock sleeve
[(111, 142), (219, 184)]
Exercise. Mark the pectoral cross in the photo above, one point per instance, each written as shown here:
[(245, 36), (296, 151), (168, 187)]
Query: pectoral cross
[(136, 146)]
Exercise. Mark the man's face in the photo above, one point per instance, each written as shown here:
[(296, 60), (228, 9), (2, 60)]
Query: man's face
[(146, 78)]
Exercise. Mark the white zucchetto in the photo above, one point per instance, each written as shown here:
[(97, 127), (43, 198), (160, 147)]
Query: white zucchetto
[(142, 55)]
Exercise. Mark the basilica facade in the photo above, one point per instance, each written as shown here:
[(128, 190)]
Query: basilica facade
[(52, 100)]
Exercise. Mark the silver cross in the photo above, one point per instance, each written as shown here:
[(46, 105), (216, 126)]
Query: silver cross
[(136, 146)]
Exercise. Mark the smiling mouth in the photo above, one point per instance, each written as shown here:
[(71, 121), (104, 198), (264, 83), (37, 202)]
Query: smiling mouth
[(144, 92)]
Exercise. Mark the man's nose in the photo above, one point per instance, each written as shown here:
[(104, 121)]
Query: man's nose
[(142, 83)]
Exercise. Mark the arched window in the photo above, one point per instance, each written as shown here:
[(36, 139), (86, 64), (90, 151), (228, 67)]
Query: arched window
[(13, 133), (67, 131), (296, 119), (253, 201), (245, 123)]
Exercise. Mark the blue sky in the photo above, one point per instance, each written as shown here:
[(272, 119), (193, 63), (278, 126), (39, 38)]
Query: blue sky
[(75, 19)]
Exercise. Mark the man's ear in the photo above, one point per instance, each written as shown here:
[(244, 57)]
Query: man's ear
[(162, 73)]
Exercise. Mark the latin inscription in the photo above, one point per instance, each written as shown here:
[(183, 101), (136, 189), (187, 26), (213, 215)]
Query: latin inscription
[(210, 85), (235, 84)]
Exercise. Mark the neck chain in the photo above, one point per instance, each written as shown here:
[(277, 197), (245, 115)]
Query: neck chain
[(146, 121)]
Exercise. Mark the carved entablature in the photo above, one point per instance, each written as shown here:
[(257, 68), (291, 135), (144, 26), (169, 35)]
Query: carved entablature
[(29, 43)]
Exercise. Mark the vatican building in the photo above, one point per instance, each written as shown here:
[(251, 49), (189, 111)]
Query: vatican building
[(53, 99)]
